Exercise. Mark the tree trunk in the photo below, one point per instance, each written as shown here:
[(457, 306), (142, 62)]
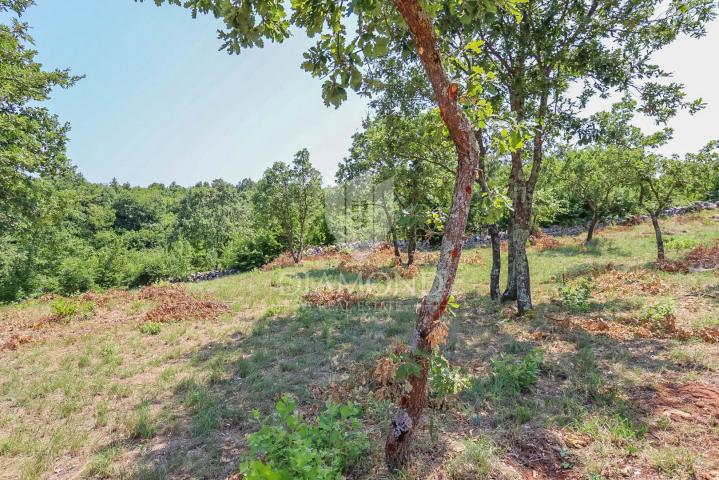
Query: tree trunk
[(496, 262), (395, 246), (658, 235), (510, 292), (492, 229), (518, 281), (406, 419), (411, 245), (592, 225)]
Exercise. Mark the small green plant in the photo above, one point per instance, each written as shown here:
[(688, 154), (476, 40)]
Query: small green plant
[(680, 243), (659, 316), (151, 328), (286, 446), (139, 424), (475, 461), (444, 379), (513, 374), (576, 297), (69, 310)]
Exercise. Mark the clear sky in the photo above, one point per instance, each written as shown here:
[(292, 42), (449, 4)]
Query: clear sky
[(160, 103)]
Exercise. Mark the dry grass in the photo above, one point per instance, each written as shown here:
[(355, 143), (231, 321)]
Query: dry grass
[(613, 399)]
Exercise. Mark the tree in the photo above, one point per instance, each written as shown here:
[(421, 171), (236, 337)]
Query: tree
[(32, 141), (289, 197), (601, 46), (414, 154), (210, 215), (590, 175), (410, 27), (661, 181)]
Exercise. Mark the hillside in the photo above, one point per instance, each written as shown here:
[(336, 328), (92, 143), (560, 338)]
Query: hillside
[(613, 378)]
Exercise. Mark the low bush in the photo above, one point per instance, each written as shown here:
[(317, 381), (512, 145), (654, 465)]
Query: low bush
[(151, 328), (659, 316), (252, 252), (575, 297), (77, 275), (444, 379), (288, 447), (68, 309), (515, 374)]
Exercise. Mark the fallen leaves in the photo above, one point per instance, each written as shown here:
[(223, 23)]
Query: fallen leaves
[(541, 241), (329, 297), (697, 260)]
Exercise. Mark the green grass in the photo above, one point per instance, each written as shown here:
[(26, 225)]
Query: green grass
[(107, 399)]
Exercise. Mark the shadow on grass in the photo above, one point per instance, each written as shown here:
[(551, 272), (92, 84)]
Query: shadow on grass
[(202, 426), (596, 248)]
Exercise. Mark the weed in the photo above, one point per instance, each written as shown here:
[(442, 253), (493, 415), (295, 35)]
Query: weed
[(207, 412), (659, 316), (680, 243), (244, 367), (444, 379), (675, 463), (286, 446), (100, 463), (512, 374), (575, 297), (151, 328), (69, 310), (139, 425)]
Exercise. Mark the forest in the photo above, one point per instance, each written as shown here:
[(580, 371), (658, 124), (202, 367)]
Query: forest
[(533, 292)]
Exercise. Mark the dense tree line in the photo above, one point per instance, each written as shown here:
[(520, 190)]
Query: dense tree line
[(84, 235)]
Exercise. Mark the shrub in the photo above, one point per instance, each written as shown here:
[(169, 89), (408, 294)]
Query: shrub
[(659, 316), (154, 265), (77, 275), (286, 446), (513, 374), (251, 252), (444, 379), (151, 328), (68, 310), (111, 265), (576, 297)]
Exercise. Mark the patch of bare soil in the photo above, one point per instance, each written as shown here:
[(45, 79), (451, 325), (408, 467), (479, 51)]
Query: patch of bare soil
[(541, 454), (700, 259)]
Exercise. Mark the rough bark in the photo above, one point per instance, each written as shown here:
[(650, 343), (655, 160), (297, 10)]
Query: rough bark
[(407, 417), (496, 262), (522, 204), (592, 226), (658, 234), (510, 292), (521, 191), (492, 229)]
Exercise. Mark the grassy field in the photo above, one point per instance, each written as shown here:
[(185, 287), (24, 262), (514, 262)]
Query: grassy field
[(620, 393)]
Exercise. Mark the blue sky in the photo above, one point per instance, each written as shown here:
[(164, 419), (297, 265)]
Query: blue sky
[(160, 103)]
